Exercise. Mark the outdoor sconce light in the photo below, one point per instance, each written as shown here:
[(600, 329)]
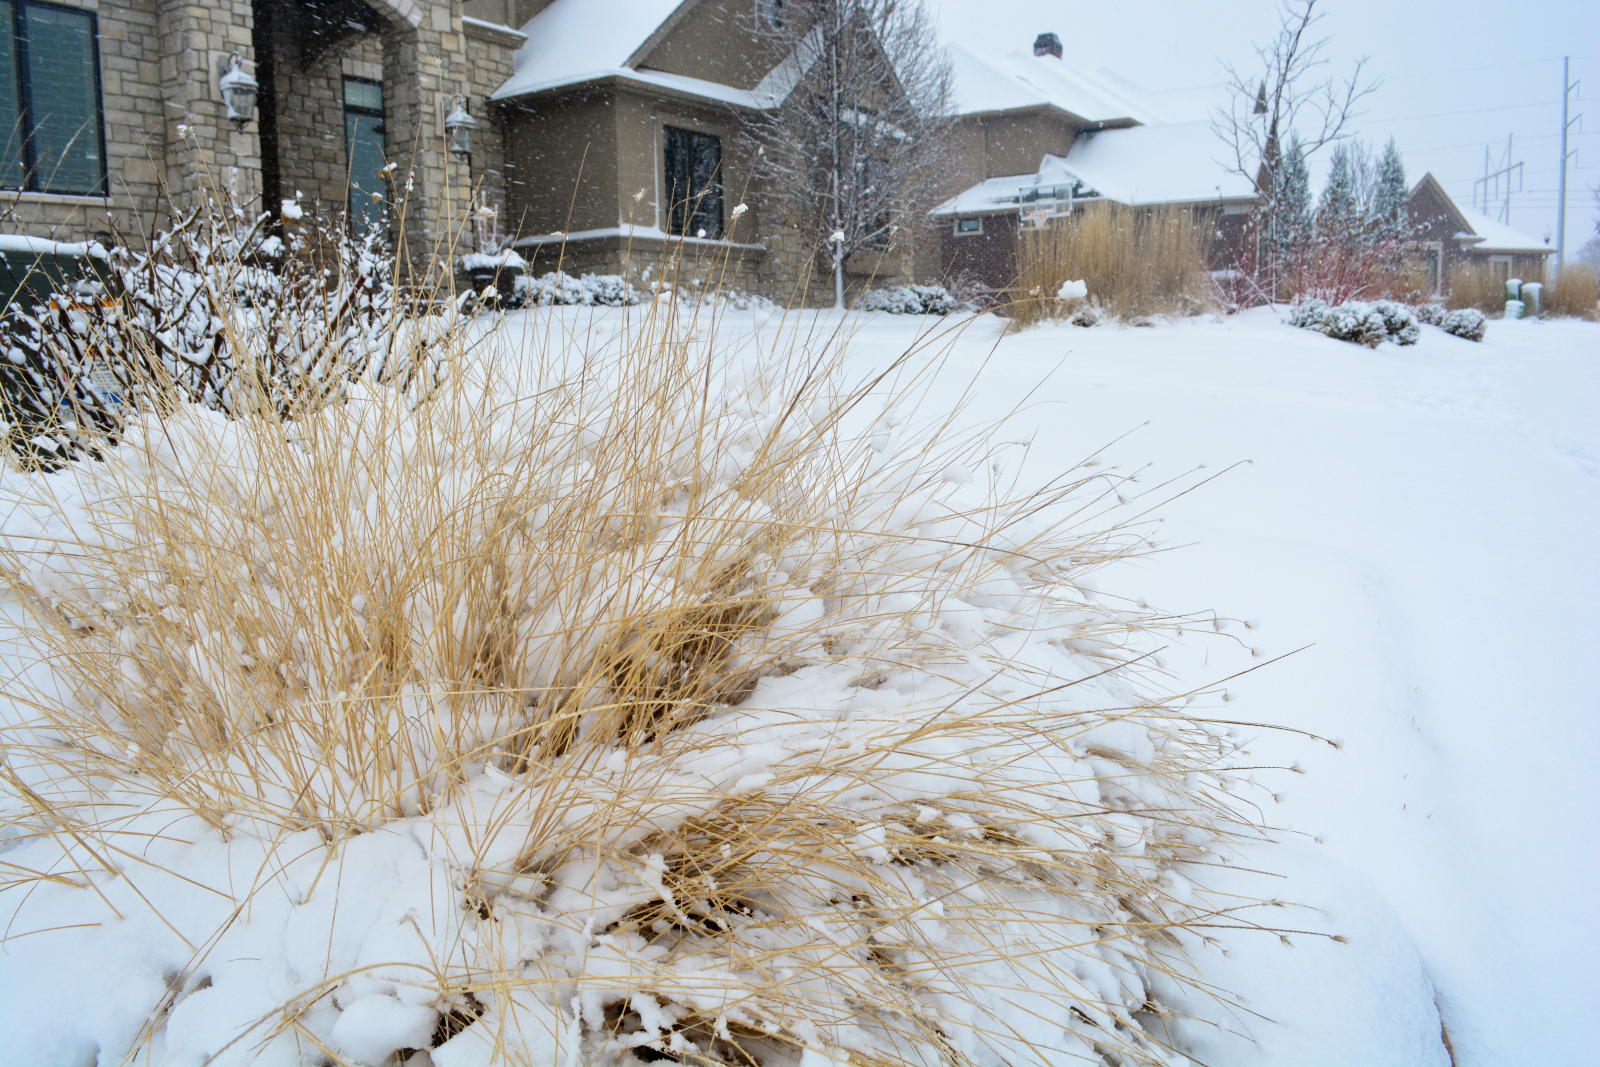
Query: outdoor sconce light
[(238, 92), (458, 127)]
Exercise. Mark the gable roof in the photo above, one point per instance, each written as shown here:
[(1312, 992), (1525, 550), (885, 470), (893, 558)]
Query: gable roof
[(1478, 231), (1174, 163), (575, 42), (1022, 81)]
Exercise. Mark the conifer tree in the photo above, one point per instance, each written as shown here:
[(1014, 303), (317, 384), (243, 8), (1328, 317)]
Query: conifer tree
[(1338, 202), (1291, 200), (1389, 198)]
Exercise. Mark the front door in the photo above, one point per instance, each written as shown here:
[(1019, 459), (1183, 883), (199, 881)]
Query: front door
[(363, 141)]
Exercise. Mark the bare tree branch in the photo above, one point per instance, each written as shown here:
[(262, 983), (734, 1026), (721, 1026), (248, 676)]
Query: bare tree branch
[(852, 143), (1288, 91)]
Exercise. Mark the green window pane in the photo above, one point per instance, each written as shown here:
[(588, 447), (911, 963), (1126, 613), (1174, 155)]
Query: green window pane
[(363, 94), (11, 135), (63, 101), (363, 138)]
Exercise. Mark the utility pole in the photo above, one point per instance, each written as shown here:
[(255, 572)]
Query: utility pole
[(1506, 169), (1568, 87)]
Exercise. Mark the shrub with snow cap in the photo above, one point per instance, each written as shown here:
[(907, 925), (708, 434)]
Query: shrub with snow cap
[(590, 290), (1430, 314), (1356, 321), (601, 708), (1468, 323), (909, 300), (1398, 322)]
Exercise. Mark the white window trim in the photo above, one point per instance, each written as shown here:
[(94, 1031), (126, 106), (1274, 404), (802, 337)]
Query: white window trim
[(959, 232)]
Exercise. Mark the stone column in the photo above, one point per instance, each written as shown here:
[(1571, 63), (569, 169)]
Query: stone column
[(203, 151), (424, 66)]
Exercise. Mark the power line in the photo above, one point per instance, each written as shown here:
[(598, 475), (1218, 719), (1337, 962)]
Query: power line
[(1472, 111)]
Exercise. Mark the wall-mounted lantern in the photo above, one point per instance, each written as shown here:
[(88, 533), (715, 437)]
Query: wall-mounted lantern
[(238, 92), (458, 127)]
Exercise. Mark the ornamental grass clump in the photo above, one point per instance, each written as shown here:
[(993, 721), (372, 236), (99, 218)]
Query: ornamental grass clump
[(640, 693), (1136, 262), (1574, 294)]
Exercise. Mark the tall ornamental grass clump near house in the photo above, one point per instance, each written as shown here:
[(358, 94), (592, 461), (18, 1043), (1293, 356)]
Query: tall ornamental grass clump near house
[(1136, 263), (1473, 286), (629, 695), (1574, 294)]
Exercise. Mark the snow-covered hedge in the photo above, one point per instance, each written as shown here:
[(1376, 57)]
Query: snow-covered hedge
[(1468, 323), (558, 287), (595, 710), (909, 300), (1358, 322)]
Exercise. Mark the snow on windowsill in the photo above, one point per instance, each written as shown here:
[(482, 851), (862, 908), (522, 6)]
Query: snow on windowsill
[(38, 246), (20, 196), (641, 233)]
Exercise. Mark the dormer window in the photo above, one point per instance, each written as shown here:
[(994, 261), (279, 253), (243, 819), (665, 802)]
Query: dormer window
[(769, 14)]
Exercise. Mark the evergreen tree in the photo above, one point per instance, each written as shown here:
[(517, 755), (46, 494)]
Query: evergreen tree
[(1291, 199), (1338, 202), (1389, 198)]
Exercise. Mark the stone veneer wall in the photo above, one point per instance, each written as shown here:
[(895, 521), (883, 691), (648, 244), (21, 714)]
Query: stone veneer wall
[(131, 79)]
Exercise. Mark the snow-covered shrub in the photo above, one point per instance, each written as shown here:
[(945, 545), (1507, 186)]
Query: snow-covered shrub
[(1398, 322), (558, 287), (1355, 321), (1469, 323), (218, 314), (611, 705), (908, 300), (1430, 314)]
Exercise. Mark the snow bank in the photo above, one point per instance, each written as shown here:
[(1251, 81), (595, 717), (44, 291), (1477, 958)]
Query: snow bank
[(632, 698)]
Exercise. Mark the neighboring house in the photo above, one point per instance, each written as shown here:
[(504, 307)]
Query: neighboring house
[(1450, 237), (623, 120), (1035, 137), (109, 102)]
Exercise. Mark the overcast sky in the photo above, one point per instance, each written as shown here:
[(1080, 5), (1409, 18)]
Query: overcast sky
[(1457, 75)]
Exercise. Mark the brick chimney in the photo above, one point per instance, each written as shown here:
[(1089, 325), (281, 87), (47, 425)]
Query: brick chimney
[(1047, 44)]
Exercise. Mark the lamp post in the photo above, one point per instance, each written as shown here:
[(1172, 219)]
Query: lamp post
[(238, 92)]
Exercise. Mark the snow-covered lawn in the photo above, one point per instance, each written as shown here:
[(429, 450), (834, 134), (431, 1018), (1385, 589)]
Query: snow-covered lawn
[(1412, 530), (1423, 525)]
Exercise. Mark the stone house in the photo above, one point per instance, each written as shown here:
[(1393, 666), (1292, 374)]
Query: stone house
[(625, 154), (1035, 137), (109, 103), (1450, 238)]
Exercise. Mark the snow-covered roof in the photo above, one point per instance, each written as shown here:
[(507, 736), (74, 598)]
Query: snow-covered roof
[(1177, 162), (1490, 235), (1023, 80), (575, 41), (1171, 164)]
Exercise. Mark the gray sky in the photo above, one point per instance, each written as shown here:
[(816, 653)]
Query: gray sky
[(1457, 75)]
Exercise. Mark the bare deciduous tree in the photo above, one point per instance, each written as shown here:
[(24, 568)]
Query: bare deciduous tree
[(1290, 92), (851, 142)]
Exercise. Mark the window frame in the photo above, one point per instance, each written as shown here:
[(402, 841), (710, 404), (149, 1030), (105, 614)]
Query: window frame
[(348, 109), (1498, 261), (690, 211), (21, 59), (976, 231)]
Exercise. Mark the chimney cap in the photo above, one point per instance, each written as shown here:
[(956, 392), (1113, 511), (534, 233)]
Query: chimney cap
[(1047, 44)]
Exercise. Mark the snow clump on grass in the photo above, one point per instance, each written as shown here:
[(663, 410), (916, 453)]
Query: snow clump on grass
[(630, 702)]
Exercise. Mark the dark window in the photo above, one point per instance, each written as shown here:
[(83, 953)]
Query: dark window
[(50, 100), (694, 183), (363, 143), (972, 225), (770, 13)]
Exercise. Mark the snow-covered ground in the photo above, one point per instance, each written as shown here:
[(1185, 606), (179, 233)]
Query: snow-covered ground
[(1417, 527), (1422, 524)]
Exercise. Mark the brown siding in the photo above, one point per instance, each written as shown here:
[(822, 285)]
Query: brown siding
[(561, 163), (989, 258), (717, 41)]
